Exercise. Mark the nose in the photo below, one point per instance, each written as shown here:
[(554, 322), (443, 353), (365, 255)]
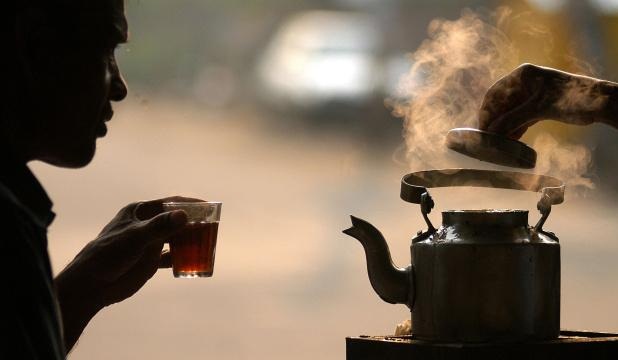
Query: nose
[(118, 87)]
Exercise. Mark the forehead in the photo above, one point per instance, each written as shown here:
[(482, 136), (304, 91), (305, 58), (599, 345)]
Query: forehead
[(94, 19)]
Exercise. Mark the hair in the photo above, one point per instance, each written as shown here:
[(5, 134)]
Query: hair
[(15, 9), (65, 15), (58, 12)]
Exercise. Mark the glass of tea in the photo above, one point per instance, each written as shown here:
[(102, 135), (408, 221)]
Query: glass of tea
[(193, 248)]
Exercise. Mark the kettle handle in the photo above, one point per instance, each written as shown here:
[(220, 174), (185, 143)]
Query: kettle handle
[(414, 187)]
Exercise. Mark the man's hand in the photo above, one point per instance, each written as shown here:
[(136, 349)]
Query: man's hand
[(117, 263), (532, 93)]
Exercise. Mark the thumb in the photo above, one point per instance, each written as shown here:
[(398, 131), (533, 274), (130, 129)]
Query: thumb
[(515, 122), (166, 260)]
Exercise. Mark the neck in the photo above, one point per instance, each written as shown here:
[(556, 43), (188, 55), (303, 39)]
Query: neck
[(10, 148)]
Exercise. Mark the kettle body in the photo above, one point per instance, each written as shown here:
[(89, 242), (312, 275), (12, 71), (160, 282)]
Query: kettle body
[(485, 276)]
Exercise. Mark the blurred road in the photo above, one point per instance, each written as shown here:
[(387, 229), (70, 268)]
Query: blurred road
[(287, 284)]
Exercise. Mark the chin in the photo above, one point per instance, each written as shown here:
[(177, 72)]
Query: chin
[(73, 158)]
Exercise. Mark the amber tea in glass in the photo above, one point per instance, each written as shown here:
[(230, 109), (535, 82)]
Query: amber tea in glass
[(193, 248)]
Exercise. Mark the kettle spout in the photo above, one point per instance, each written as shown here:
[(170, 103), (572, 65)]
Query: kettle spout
[(390, 282)]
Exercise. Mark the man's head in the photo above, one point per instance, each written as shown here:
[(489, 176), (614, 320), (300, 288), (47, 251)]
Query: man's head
[(62, 77)]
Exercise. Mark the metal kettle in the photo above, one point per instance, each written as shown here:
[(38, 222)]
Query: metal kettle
[(484, 275)]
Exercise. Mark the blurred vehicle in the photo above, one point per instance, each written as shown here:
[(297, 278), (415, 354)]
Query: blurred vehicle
[(320, 58)]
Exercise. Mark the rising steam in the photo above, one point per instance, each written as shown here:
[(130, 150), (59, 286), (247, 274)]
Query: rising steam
[(451, 71), (567, 162)]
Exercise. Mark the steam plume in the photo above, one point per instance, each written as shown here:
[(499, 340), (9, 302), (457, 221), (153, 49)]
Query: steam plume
[(450, 73), (567, 162)]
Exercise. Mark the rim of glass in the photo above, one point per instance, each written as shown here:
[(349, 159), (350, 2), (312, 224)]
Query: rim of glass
[(191, 203)]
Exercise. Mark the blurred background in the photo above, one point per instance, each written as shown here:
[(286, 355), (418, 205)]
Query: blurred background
[(277, 109)]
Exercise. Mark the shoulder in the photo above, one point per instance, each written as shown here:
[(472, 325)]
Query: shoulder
[(12, 216), (20, 235), (12, 211), (9, 205), (31, 327)]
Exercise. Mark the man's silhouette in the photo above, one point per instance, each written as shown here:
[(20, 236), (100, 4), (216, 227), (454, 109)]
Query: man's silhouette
[(59, 77)]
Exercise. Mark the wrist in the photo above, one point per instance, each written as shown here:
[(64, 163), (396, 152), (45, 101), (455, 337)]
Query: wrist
[(609, 115), (78, 304), (76, 293), (584, 100)]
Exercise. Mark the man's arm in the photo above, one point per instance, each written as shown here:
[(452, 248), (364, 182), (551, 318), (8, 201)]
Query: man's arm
[(610, 112), (532, 93), (115, 265), (77, 305)]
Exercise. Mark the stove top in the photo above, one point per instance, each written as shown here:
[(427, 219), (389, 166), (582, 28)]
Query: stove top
[(570, 345)]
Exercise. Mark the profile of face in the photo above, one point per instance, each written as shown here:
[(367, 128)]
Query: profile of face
[(70, 79)]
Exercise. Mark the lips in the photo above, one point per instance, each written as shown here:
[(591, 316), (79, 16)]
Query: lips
[(108, 113), (101, 129)]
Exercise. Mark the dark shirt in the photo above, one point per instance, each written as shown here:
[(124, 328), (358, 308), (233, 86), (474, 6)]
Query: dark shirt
[(30, 325)]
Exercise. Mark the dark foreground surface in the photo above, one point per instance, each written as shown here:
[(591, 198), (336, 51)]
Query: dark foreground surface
[(570, 345)]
